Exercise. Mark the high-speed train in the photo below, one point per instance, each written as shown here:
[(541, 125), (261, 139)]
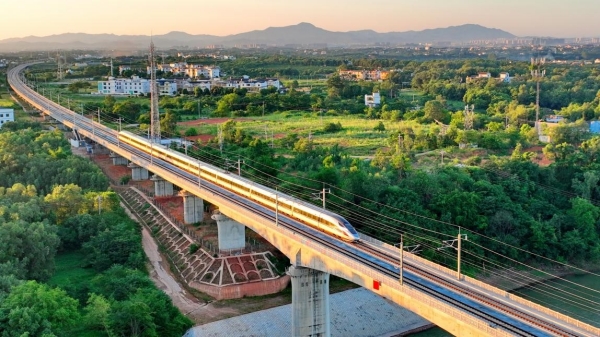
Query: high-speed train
[(313, 216)]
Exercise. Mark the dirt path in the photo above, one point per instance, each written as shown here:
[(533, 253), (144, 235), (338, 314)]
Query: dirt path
[(164, 280)]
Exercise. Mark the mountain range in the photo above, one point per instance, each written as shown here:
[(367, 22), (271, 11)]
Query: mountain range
[(300, 34)]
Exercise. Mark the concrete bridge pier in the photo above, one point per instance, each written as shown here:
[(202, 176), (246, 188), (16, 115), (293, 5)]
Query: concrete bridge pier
[(118, 160), (310, 302), (193, 207), (138, 172), (162, 188), (232, 234)]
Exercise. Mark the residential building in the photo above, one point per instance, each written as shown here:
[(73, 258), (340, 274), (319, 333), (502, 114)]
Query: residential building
[(505, 77), (6, 115), (124, 86), (595, 127), (247, 83), (373, 100), (191, 70), (167, 88), (123, 68), (366, 75)]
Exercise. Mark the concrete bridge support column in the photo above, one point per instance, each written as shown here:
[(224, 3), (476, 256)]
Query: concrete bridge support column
[(118, 160), (232, 234), (138, 172), (310, 302), (162, 188), (193, 208)]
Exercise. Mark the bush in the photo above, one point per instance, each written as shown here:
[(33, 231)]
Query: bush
[(191, 132), (332, 127), (194, 248), (125, 180)]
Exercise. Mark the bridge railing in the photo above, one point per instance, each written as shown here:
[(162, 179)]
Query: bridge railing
[(488, 287)]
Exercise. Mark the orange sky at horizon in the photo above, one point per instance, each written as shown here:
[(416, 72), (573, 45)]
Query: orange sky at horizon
[(136, 17)]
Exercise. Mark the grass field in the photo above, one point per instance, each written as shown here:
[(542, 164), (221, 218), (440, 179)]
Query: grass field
[(69, 270), (357, 135)]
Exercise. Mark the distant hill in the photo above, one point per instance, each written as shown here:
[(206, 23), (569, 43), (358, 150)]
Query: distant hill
[(300, 34)]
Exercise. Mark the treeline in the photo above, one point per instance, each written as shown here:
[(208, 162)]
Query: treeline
[(552, 211), (53, 203)]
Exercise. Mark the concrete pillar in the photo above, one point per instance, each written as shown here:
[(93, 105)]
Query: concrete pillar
[(232, 234), (310, 302), (162, 188), (138, 172), (118, 160), (193, 208)]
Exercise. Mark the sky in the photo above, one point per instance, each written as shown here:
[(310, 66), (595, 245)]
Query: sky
[(557, 18)]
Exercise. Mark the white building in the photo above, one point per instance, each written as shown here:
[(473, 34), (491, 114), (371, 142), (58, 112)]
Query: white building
[(124, 86), (373, 100), (191, 70), (504, 77), (167, 88), (250, 84), (6, 115), (123, 68)]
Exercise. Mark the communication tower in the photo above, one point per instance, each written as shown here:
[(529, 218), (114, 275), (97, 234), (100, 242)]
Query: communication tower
[(154, 113), (59, 72), (537, 73), (469, 116)]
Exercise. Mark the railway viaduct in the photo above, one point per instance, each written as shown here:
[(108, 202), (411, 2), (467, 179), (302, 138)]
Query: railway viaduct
[(313, 255)]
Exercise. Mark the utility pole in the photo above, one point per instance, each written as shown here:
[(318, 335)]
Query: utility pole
[(401, 258), (276, 208), (321, 195), (239, 166), (263, 112), (99, 204), (450, 244), (199, 175), (458, 254)]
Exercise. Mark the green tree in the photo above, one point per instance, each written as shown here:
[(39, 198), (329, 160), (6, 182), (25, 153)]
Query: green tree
[(29, 247), (168, 124), (65, 201), (119, 244), (434, 110), (34, 309), (97, 314), (109, 102)]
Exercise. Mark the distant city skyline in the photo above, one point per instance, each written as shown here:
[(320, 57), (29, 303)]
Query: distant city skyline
[(556, 18)]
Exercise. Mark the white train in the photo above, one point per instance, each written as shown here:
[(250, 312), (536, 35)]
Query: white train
[(313, 216)]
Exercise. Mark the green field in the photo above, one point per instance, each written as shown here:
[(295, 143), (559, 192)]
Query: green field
[(357, 135), (69, 270)]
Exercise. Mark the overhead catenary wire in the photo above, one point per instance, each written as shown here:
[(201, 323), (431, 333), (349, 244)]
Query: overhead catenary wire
[(405, 212)]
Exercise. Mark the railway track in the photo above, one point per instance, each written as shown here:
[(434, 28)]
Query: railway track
[(469, 292)]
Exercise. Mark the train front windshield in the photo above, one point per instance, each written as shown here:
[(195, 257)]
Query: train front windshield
[(350, 228)]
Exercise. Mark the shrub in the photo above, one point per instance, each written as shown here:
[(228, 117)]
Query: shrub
[(194, 248), (332, 127), (125, 180), (191, 132)]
